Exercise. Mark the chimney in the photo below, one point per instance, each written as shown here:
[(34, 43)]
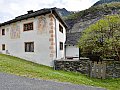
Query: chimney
[(30, 11)]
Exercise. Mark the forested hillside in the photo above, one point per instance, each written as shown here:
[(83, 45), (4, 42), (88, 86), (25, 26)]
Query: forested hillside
[(105, 1), (81, 20)]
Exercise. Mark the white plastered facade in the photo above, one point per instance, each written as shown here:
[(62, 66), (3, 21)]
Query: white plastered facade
[(46, 41)]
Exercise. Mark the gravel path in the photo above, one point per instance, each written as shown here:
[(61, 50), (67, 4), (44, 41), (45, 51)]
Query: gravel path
[(13, 82)]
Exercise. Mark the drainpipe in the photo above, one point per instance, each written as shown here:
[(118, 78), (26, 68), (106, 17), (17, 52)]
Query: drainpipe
[(56, 37)]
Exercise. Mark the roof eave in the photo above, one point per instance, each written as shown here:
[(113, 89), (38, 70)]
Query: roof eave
[(35, 15), (15, 20)]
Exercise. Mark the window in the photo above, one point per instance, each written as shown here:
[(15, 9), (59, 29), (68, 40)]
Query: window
[(60, 28), (3, 31), (61, 45), (3, 46), (28, 26), (29, 46)]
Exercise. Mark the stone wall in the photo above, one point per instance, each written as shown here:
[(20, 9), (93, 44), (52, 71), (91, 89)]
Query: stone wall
[(82, 66), (112, 68)]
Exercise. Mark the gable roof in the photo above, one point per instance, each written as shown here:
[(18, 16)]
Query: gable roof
[(73, 38), (31, 14)]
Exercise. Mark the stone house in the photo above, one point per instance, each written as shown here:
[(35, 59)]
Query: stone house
[(37, 36)]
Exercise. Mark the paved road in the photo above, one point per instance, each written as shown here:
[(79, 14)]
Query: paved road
[(12, 82)]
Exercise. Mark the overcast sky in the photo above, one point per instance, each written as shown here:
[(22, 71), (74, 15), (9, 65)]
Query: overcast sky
[(9, 9)]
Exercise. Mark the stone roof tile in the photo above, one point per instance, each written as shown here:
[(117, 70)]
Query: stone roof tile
[(73, 38)]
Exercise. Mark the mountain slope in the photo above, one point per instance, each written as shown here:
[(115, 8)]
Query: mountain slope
[(81, 20), (105, 1), (63, 12)]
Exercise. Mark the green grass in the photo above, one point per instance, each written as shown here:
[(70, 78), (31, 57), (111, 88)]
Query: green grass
[(17, 66)]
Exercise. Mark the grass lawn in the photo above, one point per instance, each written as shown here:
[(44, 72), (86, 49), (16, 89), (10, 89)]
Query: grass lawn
[(21, 67)]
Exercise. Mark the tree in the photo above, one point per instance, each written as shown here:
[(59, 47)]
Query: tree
[(102, 38)]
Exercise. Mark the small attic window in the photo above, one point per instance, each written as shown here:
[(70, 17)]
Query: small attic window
[(3, 31), (60, 28)]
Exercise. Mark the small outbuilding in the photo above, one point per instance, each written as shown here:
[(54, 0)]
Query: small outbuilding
[(72, 50)]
